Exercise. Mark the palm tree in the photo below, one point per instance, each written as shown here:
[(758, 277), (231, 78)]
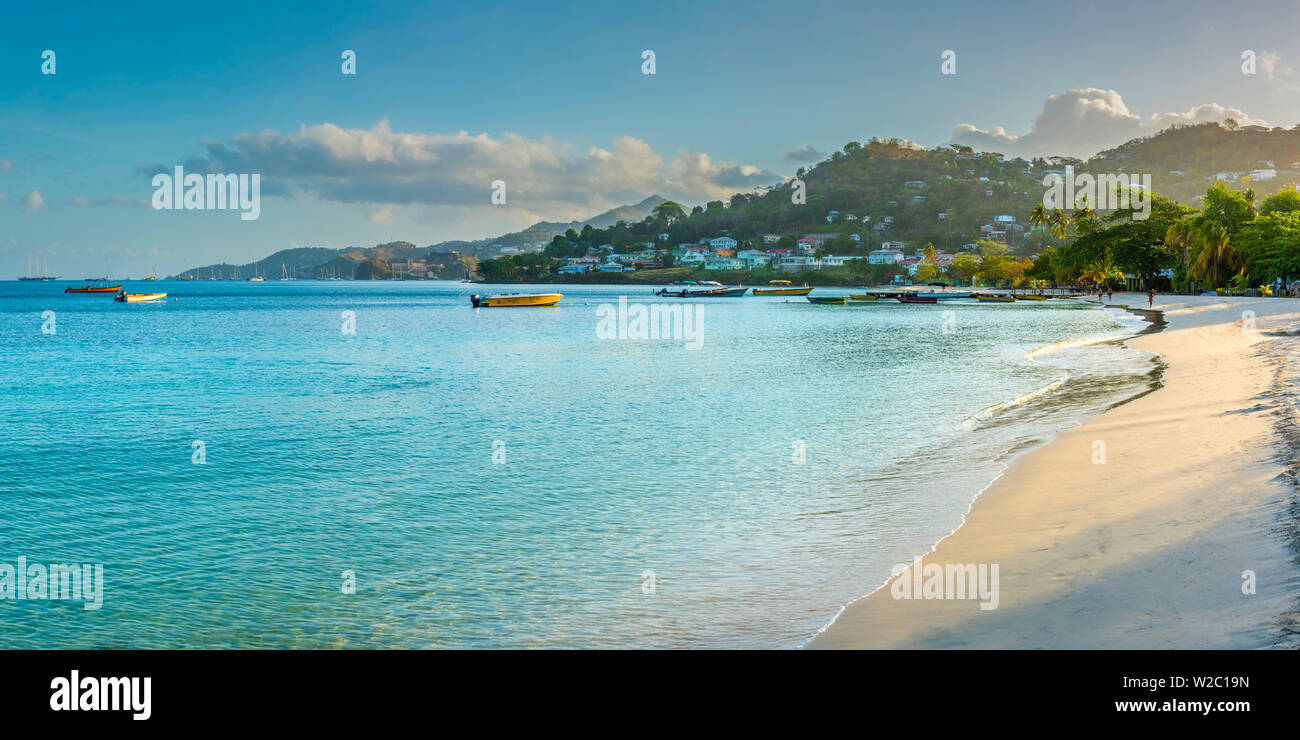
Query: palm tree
[(1217, 253), (1181, 236), (1039, 216), (1059, 222)]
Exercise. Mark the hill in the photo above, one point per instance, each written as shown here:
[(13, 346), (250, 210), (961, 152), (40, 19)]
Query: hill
[(453, 260)]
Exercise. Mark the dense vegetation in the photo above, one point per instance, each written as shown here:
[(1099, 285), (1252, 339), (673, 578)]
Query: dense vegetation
[(1227, 243)]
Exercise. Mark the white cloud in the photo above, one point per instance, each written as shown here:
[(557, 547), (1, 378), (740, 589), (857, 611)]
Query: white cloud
[(382, 214), (1082, 122), (32, 202), (380, 167), (804, 153)]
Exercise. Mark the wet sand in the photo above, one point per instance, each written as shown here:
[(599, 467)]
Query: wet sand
[(1146, 545)]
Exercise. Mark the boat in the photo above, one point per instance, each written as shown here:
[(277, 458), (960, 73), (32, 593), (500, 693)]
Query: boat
[(515, 299), (257, 275), (781, 287), (1031, 298), (917, 299), (867, 297), (46, 278), (125, 297), (93, 289), (702, 289), (151, 276), (946, 296), (995, 299), (829, 300)]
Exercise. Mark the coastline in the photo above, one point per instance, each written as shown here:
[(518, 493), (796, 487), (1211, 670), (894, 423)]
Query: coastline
[(1146, 549)]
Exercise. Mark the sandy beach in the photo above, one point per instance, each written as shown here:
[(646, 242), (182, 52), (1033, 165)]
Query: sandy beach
[(1145, 544)]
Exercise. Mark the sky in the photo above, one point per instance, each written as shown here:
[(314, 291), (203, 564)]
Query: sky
[(551, 99)]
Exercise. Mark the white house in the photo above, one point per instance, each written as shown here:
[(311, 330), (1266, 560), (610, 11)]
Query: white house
[(885, 256), (837, 261), (612, 267), (723, 242), (753, 258), (691, 259), (1264, 173), (723, 263), (574, 269), (793, 262), (1004, 219)]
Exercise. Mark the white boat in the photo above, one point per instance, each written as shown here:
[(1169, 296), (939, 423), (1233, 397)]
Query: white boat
[(125, 297)]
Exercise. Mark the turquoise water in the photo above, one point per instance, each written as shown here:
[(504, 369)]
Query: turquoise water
[(503, 477)]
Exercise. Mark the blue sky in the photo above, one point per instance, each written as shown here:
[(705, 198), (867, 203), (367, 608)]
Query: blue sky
[(552, 101)]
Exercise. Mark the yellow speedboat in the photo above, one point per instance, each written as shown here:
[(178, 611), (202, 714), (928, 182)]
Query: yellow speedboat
[(995, 299), (867, 297), (781, 287), (516, 299), (1031, 298)]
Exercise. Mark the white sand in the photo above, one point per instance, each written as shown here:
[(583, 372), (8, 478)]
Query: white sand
[(1146, 550)]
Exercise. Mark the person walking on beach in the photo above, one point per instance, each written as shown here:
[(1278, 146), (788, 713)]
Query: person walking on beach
[(1151, 297), (1110, 294)]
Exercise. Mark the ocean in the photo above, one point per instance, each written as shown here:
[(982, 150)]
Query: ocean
[(306, 464)]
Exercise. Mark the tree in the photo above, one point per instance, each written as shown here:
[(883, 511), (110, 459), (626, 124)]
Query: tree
[(372, 269), (499, 270), (1039, 216), (1217, 258), (1231, 208), (1270, 246), (1285, 200), (669, 211), (1059, 223), (964, 267), (925, 273)]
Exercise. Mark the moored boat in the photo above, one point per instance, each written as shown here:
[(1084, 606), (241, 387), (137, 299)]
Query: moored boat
[(125, 297), (93, 289), (1031, 298), (995, 299), (706, 289), (867, 297), (917, 299), (781, 287), (829, 300), (519, 300)]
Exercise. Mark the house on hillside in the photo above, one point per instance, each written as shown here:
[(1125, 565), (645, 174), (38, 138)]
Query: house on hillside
[(885, 256)]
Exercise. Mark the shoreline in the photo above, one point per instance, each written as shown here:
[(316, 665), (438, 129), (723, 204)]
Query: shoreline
[(1155, 323), (1145, 549)]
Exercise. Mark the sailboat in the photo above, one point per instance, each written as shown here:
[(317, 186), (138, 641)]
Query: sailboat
[(257, 277), (284, 274), (151, 276), (46, 278)]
